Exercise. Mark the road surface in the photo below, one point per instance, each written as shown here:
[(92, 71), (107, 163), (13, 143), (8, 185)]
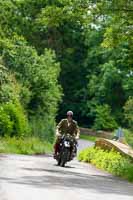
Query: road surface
[(38, 178)]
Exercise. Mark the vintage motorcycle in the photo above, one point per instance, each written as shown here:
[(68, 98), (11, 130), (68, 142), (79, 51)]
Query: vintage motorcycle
[(67, 150)]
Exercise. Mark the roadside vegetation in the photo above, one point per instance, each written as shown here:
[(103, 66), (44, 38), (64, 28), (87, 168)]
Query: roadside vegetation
[(129, 137), (28, 146), (110, 161)]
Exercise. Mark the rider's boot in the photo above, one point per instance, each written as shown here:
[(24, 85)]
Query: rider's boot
[(56, 150)]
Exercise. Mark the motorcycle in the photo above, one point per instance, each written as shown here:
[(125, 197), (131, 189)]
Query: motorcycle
[(67, 150)]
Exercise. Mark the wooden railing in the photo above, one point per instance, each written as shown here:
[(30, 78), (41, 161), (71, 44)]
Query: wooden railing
[(111, 144)]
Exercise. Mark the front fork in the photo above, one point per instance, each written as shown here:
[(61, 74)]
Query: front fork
[(73, 151)]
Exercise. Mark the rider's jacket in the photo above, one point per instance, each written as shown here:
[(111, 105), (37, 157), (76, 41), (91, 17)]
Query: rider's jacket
[(65, 127)]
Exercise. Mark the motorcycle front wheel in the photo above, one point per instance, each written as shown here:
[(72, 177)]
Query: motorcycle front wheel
[(64, 157), (59, 161)]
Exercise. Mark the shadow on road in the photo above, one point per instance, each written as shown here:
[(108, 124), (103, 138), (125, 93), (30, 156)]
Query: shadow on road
[(65, 180)]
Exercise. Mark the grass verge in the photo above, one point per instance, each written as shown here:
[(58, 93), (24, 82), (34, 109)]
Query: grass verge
[(110, 161), (88, 137), (27, 146)]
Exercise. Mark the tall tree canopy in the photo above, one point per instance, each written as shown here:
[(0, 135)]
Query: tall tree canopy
[(80, 51)]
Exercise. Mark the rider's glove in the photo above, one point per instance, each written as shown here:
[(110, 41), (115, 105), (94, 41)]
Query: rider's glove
[(77, 137), (58, 135)]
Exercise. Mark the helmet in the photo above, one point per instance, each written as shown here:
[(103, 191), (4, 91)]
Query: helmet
[(70, 113)]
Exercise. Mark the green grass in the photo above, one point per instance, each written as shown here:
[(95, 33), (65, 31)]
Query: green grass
[(26, 146), (110, 161), (88, 137)]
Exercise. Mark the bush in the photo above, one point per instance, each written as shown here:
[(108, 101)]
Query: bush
[(6, 125), (104, 120), (128, 110), (13, 120), (43, 127), (129, 137), (110, 161)]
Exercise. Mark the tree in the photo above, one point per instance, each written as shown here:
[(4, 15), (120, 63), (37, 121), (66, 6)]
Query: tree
[(9, 88), (38, 77), (111, 78), (128, 110), (104, 120), (13, 119), (84, 45)]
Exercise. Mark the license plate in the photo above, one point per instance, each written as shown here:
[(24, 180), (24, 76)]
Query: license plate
[(67, 144)]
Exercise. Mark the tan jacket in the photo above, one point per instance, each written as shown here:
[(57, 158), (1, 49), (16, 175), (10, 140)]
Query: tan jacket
[(64, 127)]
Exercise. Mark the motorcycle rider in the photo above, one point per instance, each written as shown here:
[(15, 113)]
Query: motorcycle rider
[(66, 126)]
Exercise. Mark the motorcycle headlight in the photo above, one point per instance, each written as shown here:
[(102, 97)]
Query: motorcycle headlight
[(67, 144)]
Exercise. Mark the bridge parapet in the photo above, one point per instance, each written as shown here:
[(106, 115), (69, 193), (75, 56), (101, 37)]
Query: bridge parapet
[(111, 144)]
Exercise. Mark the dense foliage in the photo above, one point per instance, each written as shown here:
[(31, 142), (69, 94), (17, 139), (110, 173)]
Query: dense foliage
[(13, 120), (111, 161), (104, 120), (128, 108), (128, 137), (84, 47), (29, 89)]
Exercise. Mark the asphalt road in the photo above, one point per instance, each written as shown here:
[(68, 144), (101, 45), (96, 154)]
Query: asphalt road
[(38, 178)]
